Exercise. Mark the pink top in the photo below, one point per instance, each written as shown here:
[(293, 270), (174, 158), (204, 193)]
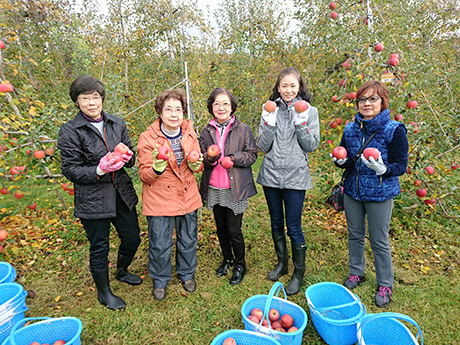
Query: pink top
[(219, 176)]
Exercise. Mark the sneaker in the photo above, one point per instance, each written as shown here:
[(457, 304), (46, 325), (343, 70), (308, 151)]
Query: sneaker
[(353, 281), (222, 270), (238, 274), (383, 296), (189, 285), (159, 294)]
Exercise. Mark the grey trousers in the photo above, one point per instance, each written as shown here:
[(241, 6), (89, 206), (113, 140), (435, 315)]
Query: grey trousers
[(378, 219), (160, 245)]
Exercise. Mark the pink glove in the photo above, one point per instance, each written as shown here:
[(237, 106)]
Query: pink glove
[(111, 162), (127, 156)]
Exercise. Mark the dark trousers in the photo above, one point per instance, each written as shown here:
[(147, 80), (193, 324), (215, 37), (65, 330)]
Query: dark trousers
[(98, 233), (229, 233), (287, 201)]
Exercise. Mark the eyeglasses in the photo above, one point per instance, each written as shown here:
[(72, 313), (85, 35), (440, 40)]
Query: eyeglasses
[(169, 111), (363, 100), (218, 105), (87, 98)]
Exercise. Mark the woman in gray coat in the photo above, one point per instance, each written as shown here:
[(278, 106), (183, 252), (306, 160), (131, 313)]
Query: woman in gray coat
[(227, 188), (286, 137)]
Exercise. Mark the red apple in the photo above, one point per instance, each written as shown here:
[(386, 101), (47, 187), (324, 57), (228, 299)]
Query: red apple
[(431, 201), (339, 152), (59, 342), (292, 329), (64, 186), (379, 47), (253, 318), (28, 151), (417, 183), (49, 151), (4, 191), (229, 341), (270, 106), (3, 88), (71, 191), (33, 206), (1, 250), (18, 195), (213, 150), (9, 87), (334, 14), (287, 321), (353, 95), (265, 323), (342, 82), (258, 313), (396, 56), (330, 142), (347, 63), (454, 166), (333, 124), (3, 235), (335, 99), (429, 170), (122, 148), (421, 192), (280, 329), (393, 62), (301, 106), (339, 120), (164, 153), (14, 171), (276, 324), (370, 151), (332, 6), (412, 104), (398, 117), (2, 45), (227, 162), (273, 315), (193, 156), (114, 155), (39, 154)]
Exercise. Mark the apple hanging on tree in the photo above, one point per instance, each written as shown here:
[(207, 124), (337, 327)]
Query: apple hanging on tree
[(334, 15), (379, 47)]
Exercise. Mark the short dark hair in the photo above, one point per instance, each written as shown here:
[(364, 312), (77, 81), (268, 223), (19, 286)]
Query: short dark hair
[(379, 88), (303, 91), (178, 94), (220, 91), (86, 84)]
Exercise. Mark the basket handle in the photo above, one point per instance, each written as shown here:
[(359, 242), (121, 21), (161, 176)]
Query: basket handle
[(388, 315), (343, 322), (356, 301), (22, 322), (276, 288)]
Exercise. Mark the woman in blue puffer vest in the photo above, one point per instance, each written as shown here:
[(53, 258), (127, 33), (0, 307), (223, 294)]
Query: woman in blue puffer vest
[(372, 184)]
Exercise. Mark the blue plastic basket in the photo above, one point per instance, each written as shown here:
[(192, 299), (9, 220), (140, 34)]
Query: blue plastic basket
[(284, 306), (335, 312), (386, 329), (7, 273), (243, 337), (12, 307), (47, 331)]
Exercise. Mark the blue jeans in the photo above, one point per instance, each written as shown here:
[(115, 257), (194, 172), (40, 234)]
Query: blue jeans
[(293, 206)]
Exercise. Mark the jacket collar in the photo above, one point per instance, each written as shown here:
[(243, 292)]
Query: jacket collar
[(374, 124), (80, 121)]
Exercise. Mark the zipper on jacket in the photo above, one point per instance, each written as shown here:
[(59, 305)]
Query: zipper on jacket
[(108, 150), (359, 165)]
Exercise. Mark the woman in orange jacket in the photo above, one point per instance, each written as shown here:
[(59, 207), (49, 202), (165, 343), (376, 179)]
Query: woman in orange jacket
[(170, 195)]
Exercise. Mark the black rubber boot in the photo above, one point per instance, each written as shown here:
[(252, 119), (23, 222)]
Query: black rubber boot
[(279, 239), (122, 271), (104, 294), (298, 258)]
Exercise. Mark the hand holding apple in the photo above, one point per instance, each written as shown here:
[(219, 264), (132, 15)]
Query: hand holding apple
[(377, 165), (159, 162), (112, 161), (194, 160), (301, 113), (269, 111), (339, 155), (227, 162), (213, 153), (126, 153)]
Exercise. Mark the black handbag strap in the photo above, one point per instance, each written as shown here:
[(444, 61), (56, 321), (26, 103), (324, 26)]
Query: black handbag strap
[(355, 158)]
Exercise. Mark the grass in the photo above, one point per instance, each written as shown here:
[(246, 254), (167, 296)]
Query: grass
[(54, 264)]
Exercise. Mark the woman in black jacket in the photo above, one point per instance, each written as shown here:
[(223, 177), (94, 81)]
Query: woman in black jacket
[(104, 192), (227, 182)]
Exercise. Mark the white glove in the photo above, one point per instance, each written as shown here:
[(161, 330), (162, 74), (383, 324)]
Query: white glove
[(302, 118), (339, 161), (269, 118), (377, 165)]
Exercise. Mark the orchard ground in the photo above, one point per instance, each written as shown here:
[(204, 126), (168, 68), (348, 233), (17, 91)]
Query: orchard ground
[(48, 248)]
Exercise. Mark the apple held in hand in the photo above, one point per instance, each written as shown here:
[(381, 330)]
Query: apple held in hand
[(287, 321), (227, 162), (213, 150), (121, 148), (229, 341), (371, 152), (193, 156), (273, 315), (270, 106), (114, 155), (301, 106), (339, 152), (164, 153)]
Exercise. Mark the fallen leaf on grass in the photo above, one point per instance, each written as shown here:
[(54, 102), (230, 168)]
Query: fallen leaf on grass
[(79, 294), (184, 294), (57, 298)]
